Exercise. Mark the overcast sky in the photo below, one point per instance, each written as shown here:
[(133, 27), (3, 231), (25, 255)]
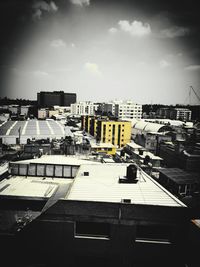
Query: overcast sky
[(146, 51)]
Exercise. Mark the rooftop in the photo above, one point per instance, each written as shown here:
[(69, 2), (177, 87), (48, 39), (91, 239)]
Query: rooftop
[(34, 187), (101, 145), (102, 184), (58, 159), (33, 128), (179, 176)]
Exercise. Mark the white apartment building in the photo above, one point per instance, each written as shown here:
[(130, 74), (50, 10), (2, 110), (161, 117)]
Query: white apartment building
[(181, 114), (128, 110), (83, 108)]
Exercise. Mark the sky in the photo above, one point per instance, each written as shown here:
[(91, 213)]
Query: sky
[(102, 50)]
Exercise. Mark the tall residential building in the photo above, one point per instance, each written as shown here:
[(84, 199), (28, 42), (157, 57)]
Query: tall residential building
[(117, 133), (128, 110), (59, 98), (83, 108)]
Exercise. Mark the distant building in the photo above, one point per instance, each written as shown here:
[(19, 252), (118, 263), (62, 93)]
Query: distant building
[(117, 133), (83, 108), (149, 134), (140, 155), (19, 132), (108, 108), (42, 113), (174, 113), (24, 110), (179, 182), (14, 109), (183, 114), (122, 109), (178, 155), (58, 98), (129, 110)]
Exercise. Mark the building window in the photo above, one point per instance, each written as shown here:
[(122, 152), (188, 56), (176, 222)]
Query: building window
[(92, 230), (154, 234)]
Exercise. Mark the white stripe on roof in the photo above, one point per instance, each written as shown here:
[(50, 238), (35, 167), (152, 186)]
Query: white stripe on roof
[(50, 128), (37, 128), (61, 127), (24, 128), (8, 131)]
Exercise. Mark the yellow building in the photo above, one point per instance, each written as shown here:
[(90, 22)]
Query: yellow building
[(117, 133), (113, 132)]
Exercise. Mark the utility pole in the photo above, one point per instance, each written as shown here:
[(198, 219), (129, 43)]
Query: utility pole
[(19, 131)]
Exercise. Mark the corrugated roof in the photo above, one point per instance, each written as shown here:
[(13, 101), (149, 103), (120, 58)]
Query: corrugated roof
[(179, 176), (34, 128), (140, 125), (151, 127), (102, 184)]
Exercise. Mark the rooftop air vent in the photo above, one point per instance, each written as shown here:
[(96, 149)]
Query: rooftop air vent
[(126, 200), (85, 173), (131, 175), (131, 172)]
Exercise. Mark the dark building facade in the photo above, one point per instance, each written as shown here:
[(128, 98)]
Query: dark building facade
[(55, 98)]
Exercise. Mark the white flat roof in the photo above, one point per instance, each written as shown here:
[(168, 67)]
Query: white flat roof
[(134, 145), (151, 155), (22, 186), (102, 185), (58, 159), (101, 145)]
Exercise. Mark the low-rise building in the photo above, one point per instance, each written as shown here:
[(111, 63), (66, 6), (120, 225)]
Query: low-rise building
[(179, 182), (112, 213), (103, 148), (142, 156)]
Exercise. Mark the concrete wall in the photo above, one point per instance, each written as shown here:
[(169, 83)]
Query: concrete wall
[(52, 235)]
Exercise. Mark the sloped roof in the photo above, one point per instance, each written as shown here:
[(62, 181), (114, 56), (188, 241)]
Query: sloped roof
[(151, 127)]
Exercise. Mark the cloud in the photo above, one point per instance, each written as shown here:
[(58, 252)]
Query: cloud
[(40, 7), (58, 43), (113, 30), (136, 28), (93, 68), (40, 73), (164, 64), (174, 32), (37, 14), (53, 6), (80, 2), (192, 67)]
